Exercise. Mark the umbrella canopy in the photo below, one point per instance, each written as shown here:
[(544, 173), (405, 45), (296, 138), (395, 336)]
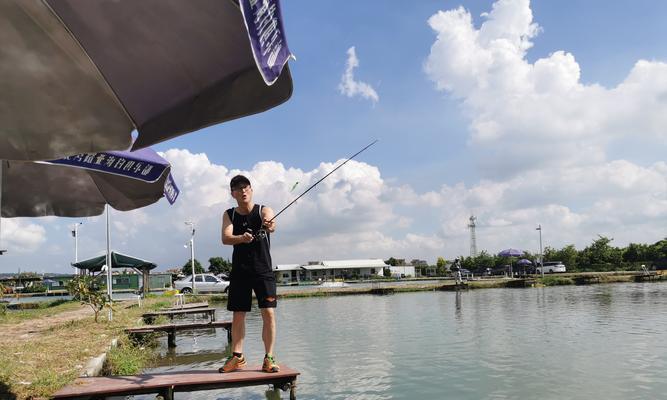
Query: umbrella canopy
[(81, 185), (118, 260), (524, 261), (79, 76), (511, 253)]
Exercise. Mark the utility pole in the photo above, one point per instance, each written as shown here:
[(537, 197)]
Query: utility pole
[(473, 237), (539, 228), (75, 233), (192, 253)]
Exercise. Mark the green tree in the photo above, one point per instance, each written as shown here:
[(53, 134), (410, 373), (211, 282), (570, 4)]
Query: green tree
[(483, 261), (187, 268), (441, 262), (657, 250), (83, 288), (635, 252), (600, 255), (392, 261), (219, 265), (568, 255)]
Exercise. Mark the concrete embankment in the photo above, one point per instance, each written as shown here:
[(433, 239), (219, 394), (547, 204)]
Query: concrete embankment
[(386, 287)]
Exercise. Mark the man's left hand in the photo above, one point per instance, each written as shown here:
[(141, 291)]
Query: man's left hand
[(269, 225)]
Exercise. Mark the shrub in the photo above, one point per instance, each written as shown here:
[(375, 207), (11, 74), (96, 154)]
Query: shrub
[(82, 288)]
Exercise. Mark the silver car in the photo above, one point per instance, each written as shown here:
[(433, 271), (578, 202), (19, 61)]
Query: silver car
[(203, 283)]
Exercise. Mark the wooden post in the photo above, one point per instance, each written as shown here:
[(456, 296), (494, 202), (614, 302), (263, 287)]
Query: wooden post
[(292, 390), (212, 315), (171, 338), (146, 278), (168, 393), (229, 334)]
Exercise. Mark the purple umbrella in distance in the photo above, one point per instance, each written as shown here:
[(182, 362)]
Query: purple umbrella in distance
[(511, 253)]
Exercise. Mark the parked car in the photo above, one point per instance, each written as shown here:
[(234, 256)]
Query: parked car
[(551, 267), (203, 283)]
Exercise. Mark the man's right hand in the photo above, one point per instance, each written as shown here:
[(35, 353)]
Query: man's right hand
[(247, 237)]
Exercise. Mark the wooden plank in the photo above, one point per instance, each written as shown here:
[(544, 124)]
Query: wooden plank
[(180, 312), (187, 306), (187, 381), (179, 327)]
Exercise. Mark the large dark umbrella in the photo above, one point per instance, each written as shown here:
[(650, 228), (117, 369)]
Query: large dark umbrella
[(118, 260), (79, 76)]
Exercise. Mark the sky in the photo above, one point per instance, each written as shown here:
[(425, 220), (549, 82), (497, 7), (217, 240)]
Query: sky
[(523, 113)]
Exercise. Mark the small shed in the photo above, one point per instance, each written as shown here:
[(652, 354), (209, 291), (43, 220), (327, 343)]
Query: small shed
[(119, 260)]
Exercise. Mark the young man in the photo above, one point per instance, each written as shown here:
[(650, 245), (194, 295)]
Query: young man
[(251, 271)]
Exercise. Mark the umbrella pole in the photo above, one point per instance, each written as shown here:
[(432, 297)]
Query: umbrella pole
[(109, 279), (2, 251)]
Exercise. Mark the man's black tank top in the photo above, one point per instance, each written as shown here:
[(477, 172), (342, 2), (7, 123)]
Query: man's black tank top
[(253, 257)]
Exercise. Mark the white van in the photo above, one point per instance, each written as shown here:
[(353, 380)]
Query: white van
[(552, 267)]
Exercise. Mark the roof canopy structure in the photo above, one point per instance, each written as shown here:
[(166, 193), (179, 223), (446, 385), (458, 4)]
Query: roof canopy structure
[(118, 260)]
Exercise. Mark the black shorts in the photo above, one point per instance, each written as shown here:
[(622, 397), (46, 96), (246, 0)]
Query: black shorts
[(239, 294)]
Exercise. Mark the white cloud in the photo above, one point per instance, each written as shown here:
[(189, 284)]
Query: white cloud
[(350, 87), (526, 115), (20, 235), (356, 213)]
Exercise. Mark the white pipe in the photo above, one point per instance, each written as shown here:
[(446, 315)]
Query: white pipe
[(109, 279)]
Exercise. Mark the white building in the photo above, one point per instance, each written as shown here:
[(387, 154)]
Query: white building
[(402, 271), (330, 270)]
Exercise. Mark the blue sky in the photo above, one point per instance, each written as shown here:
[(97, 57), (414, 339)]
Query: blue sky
[(552, 120)]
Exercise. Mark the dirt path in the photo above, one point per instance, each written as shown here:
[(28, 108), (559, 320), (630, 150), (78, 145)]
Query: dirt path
[(29, 329)]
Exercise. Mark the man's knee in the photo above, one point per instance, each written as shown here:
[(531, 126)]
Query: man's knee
[(267, 312), (268, 302)]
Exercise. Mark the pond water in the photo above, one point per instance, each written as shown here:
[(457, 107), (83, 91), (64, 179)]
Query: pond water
[(566, 342)]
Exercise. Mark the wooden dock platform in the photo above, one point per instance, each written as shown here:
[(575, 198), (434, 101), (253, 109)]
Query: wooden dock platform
[(171, 329), (454, 287), (166, 384), (149, 317)]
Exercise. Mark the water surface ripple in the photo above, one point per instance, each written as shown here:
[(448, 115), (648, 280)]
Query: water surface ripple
[(569, 342)]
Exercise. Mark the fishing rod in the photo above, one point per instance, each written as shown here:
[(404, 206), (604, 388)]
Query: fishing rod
[(262, 233)]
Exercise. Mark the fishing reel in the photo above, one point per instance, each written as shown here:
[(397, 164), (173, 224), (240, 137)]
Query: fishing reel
[(259, 235)]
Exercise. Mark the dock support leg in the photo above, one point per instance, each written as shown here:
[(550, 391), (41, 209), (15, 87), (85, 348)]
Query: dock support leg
[(292, 391), (166, 394), (171, 338), (229, 334), (213, 316)]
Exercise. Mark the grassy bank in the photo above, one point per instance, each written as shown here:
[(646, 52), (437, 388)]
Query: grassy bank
[(42, 350)]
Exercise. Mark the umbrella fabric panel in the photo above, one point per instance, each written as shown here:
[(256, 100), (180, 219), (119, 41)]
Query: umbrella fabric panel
[(175, 66), (125, 194), (41, 65), (33, 190)]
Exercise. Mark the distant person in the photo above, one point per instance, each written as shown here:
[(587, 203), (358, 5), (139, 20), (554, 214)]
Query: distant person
[(251, 271), (456, 268)]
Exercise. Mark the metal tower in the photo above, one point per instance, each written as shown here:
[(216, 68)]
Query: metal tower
[(473, 237)]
